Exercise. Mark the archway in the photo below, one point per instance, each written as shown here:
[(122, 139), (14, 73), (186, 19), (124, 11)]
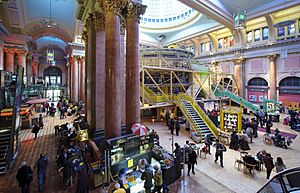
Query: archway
[(289, 91), (257, 89)]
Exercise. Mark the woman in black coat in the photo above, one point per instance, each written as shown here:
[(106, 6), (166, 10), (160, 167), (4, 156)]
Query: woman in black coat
[(24, 177), (82, 182), (234, 141), (192, 162)]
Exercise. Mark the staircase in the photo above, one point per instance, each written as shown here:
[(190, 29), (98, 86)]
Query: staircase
[(5, 137), (218, 91), (196, 119)]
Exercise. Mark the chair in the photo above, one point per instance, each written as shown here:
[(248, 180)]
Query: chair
[(247, 165), (239, 162), (268, 139)]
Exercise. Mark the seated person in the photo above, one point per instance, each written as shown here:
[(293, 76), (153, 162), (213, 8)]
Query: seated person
[(234, 141), (244, 142), (260, 155), (248, 159), (276, 132), (142, 164), (69, 111)]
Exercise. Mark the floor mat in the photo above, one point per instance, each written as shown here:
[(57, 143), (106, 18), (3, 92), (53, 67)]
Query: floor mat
[(282, 133)]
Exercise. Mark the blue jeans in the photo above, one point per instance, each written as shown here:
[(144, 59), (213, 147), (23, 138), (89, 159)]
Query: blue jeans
[(41, 179)]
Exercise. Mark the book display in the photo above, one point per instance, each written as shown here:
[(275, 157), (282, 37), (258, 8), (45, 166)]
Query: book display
[(231, 119)]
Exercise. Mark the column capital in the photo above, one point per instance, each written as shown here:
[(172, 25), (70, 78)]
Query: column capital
[(10, 50), (89, 20), (20, 52), (272, 57), (112, 6), (239, 61), (135, 10), (99, 21)]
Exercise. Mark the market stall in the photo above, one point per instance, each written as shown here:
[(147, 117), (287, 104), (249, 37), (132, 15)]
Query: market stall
[(125, 153)]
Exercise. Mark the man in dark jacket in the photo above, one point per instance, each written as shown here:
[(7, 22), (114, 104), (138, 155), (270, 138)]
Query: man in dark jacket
[(82, 182), (171, 126), (177, 127), (147, 175), (24, 177), (41, 165), (269, 124), (35, 130)]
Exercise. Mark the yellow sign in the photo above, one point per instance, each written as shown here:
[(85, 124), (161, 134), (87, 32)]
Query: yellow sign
[(130, 163)]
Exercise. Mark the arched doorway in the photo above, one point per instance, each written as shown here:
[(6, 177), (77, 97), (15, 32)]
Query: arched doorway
[(53, 80), (289, 91), (257, 90)]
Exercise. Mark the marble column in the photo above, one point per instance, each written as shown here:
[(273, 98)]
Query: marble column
[(75, 79), (34, 66), (85, 39), (71, 66), (82, 79), (113, 74), (132, 64), (123, 71), (238, 75), (273, 77), (10, 57), (21, 58)]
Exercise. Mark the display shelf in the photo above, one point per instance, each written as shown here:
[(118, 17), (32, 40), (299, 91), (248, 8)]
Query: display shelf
[(231, 120)]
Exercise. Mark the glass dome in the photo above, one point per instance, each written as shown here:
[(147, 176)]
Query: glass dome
[(166, 14)]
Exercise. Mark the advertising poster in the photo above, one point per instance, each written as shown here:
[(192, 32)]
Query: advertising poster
[(252, 98)]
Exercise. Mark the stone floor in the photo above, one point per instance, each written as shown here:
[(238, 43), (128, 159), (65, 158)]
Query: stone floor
[(209, 177)]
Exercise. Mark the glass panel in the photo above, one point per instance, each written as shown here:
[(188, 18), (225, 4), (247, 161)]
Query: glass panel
[(231, 41), (257, 35), (58, 80), (202, 47), (220, 43), (280, 31), (265, 33), (226, 42), (207, 47), (249, 37), (291, 29)]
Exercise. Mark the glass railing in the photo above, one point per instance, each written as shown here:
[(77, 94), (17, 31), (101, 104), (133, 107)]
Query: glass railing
[(285, 182)]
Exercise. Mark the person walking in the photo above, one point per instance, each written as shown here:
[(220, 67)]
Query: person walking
[(177, 127), (268, 160), (269, 124), (147, 175), (35, 130), (279, 165), (171, 126), (41, 165), (187, 125), (167, 116), (192, 161), (41, 122), (158, 179), (24, 177), (220, 148)]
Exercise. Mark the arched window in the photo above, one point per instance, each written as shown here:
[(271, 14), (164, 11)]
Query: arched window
[(257, 35), (292, 81), (291, 29), (249, 37), (257, 82), (265, 33)]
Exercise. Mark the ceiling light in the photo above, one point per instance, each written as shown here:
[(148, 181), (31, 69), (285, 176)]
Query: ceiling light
[(50, 23)]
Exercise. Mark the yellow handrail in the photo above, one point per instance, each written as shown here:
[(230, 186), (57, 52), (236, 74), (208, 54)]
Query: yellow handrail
[(202, 114)]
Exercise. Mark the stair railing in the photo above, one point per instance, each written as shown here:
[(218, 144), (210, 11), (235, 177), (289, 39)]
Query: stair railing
[(202, 114)]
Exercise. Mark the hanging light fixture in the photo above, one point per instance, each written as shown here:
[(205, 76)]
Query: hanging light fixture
[(50, 23), (239, 19)]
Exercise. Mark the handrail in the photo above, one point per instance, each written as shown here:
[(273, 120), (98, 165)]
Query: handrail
[(221, 92), (188, 117), (201, 113)]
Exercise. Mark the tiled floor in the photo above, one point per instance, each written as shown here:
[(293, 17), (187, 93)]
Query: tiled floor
[(210, 177)]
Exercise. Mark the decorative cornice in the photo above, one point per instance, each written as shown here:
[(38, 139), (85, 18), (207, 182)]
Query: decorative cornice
[(89, 20), (84, 36), (135, 10)]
